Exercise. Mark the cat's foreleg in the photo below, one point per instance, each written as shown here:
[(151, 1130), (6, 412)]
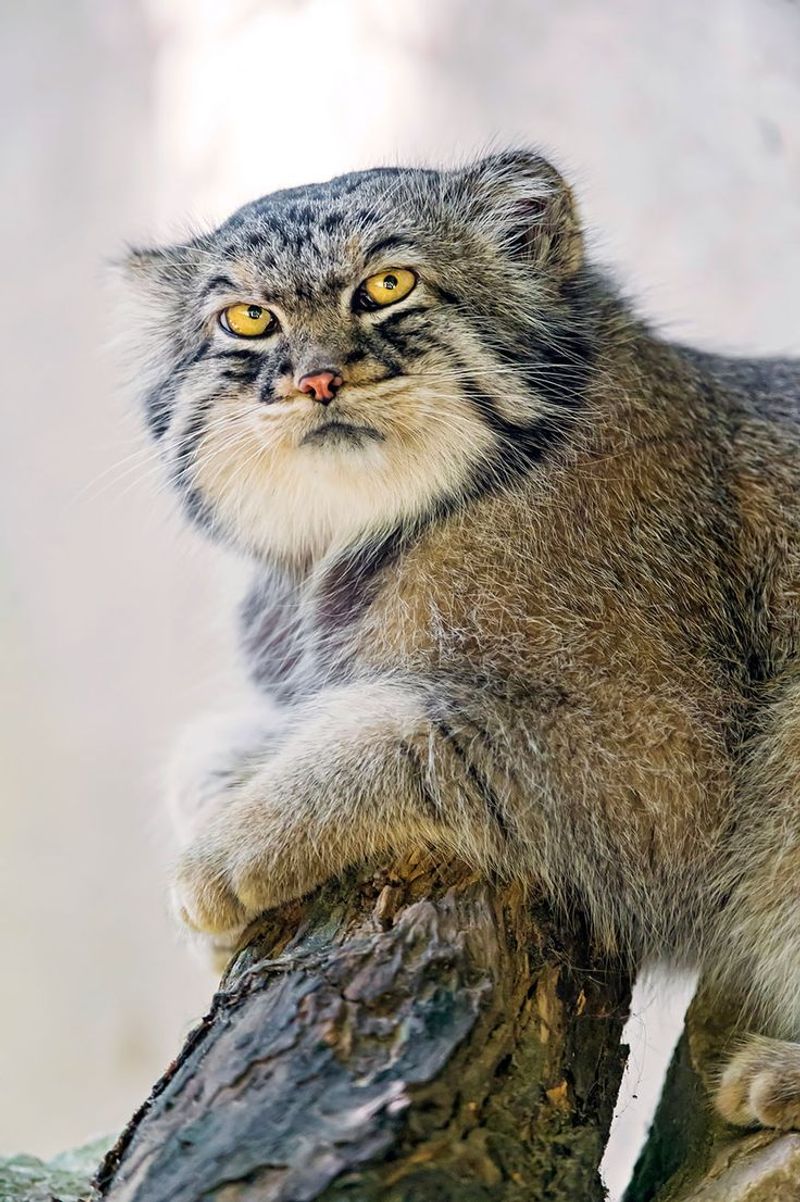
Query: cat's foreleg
[(362, 771)]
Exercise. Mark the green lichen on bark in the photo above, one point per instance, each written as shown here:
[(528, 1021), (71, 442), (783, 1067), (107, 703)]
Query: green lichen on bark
[(65, 1178)]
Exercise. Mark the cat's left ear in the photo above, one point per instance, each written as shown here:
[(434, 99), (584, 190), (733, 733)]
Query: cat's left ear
[(522, 197)]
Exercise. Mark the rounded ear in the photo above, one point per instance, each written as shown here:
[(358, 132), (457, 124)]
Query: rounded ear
[(523, 197), (153, 326), (160, 270)]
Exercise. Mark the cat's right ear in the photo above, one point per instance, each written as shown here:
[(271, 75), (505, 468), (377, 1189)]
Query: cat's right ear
[(152, 288), (159, 272), (151, 329)]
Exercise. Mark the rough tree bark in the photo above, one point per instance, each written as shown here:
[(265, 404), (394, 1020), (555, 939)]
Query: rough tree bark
[(418, 1035)]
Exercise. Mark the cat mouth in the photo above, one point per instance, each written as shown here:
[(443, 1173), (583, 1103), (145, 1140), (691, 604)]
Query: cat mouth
[(341, 433)]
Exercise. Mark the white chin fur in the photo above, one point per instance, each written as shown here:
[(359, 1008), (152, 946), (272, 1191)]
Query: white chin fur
[(278, 498)]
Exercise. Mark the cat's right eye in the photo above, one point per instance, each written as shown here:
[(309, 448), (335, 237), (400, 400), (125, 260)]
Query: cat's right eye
[(248, 321)]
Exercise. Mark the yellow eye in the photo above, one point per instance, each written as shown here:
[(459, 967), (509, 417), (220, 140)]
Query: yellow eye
[(247, 321), (387, 287)]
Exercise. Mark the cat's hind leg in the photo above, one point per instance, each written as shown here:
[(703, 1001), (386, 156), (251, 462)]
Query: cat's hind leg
[(757, 943), (761, 1085)]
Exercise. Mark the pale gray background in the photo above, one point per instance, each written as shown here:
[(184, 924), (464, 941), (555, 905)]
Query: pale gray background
[(679, 123)]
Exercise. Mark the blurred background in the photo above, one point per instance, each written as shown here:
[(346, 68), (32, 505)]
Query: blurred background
[(680, 125)]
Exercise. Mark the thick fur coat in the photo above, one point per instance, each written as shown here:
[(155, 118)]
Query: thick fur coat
[(526, 581)]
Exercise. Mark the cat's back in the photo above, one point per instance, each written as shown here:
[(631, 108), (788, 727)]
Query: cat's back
[(754, 394), (750, 412)]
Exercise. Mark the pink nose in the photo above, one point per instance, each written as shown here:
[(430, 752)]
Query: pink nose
[(323, 384)]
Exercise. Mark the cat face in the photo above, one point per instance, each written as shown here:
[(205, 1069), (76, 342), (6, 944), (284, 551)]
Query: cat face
[(339, 359)]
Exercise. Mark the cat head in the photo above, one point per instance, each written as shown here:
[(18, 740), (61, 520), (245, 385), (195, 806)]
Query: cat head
[(340, 359)]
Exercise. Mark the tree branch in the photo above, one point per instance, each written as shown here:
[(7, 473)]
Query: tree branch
[(420, 1035)]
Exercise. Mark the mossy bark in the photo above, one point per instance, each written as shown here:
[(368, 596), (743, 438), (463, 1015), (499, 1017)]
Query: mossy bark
[(65, 1178), (418, 1035)]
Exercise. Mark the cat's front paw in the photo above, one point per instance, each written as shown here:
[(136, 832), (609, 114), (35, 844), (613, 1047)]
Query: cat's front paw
[(252, 857)]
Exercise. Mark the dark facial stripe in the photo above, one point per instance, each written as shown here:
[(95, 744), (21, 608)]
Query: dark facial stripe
[(160, 401), (519, 446), (388, 243), (408, 343), (189, 442), (243, 364), (556, 361), (442, 293), (220, 283), (200, 512), (158, 406), (377, 348), (241, 375), (244, 352), (266, 388), (405, 332), (400, 316)]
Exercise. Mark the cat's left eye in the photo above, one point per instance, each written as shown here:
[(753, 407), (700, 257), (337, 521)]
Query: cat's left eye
[(247, 321), (385, 288)]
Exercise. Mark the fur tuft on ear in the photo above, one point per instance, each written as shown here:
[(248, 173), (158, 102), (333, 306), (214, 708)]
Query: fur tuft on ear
[(532, 208), (160, 269), (155, 322)]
